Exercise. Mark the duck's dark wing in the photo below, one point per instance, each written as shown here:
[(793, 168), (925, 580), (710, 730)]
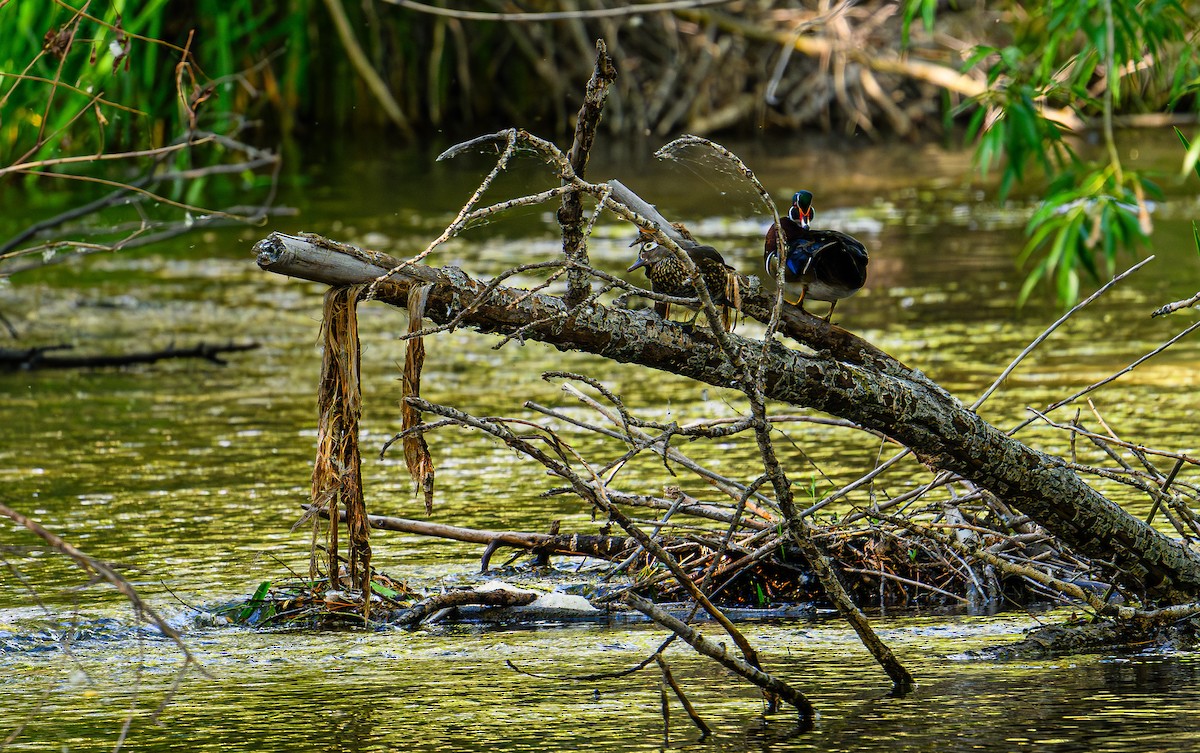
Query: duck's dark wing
[(840, 259), (701, 254)]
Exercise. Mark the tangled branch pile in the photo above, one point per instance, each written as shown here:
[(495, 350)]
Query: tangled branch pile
[(996, 520)]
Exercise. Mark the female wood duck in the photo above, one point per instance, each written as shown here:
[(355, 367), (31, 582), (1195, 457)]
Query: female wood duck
[(669, 276), (822, 264)]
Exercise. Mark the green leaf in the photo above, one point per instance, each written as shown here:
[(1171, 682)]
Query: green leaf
[(255, 602), (1196, 236), (384, 591), (1031, 280), (1035, 241), (1012, 56), (1067, 283), (1191, 159), (1113, 230), (978, 53), (926, 8)]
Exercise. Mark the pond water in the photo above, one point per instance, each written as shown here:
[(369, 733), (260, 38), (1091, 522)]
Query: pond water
[(189, 476)]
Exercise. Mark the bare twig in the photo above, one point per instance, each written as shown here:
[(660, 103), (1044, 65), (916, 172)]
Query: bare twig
[(570, 215), (92, 565), (669, 680), (1171, 308), (754, 674), (1050, 330), (533, 16)]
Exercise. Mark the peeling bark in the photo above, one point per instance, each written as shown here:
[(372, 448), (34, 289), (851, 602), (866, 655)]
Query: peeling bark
[(845, 376)]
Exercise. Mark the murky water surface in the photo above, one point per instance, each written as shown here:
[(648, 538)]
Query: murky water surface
[(189, 476)]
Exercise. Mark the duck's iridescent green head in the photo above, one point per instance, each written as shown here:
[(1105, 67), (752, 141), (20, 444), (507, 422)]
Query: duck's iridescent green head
[(802, 210)]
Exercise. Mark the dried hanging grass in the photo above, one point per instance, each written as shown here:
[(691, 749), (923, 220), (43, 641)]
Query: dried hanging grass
[(416, 450), (337, 477)]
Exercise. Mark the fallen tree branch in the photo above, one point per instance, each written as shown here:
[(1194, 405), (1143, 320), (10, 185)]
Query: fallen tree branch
[(426, 608), (603, 547), (853, 381), (37, 358), (767, 682), (91, 565)]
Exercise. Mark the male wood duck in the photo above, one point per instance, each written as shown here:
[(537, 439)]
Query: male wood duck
[(669, 276), (821, 264)]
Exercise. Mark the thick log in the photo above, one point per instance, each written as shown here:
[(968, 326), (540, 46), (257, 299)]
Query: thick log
[(845, 377), (426, 608)]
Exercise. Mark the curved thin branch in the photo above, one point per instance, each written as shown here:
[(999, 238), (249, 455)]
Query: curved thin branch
[(530, 17)]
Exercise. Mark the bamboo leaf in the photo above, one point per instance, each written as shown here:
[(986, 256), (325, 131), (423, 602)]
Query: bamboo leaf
[(926, 9), (977, 55), (1031, 280), (1191, 159)]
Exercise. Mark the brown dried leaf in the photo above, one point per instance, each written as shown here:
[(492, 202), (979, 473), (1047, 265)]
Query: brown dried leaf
[(336, 471), (416, 450)]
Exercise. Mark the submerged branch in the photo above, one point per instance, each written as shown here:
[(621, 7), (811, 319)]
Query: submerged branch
[(37, 358), (94, 566), (767, 682)]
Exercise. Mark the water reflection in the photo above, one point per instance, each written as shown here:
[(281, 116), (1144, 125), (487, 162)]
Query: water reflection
[(190, 476)]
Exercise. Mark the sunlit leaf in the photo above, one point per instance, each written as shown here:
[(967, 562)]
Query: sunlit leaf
[(382, 590), (261, 592), (1191, 159), (1012, 56), (255, 602), (1035, 241), (1068, 285)]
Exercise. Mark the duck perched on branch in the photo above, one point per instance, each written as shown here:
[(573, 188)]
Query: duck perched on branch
[(825, 265), (670, 276)]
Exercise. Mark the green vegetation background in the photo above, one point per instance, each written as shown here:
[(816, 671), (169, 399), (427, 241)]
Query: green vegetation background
[(81, 80)]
